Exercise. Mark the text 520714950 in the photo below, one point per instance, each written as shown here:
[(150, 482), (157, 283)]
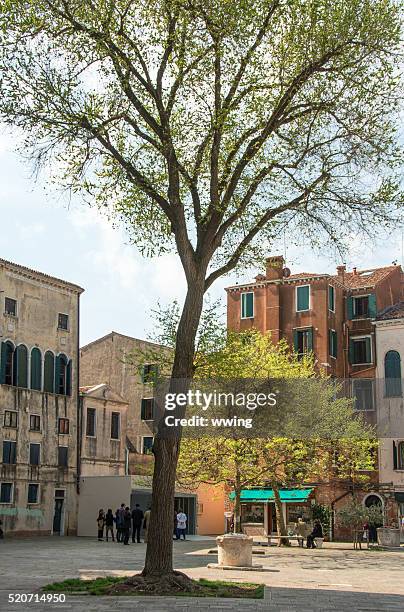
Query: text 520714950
[(26, 598)]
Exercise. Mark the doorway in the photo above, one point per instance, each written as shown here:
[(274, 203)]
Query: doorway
[(58, 514), (187, 503)]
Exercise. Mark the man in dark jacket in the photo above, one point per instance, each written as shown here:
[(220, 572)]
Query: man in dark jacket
[(316, 533), (137, 519), (127, 519)]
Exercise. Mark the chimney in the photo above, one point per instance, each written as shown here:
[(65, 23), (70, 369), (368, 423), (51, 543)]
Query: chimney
[(354, 271), (341, 270), (274, 267)]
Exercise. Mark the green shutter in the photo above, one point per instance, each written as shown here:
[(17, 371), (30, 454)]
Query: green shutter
[(392, 374), (303, 298), (36, 369), (3, 358), (349, 308), (142, 411), (351, 352), (372, 305), (49, 373), (295, 340), (22, 366), (395, 461), (310, 340), (331, 297), (57, 373), (335, 346), (368, 351), (69, 378), (247, 305)]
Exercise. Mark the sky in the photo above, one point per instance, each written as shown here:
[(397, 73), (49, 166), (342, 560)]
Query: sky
[(45, 231)]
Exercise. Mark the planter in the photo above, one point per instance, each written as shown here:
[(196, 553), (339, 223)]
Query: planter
[(234, 549), (390, 538), (319, 542)]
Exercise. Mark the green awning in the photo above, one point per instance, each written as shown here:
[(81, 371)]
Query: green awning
[(267, 495)]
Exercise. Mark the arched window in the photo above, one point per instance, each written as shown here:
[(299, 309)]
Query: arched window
[(36, 369), (61, 374), (21, 366), (392, 374), (49, 372), (7, 375)]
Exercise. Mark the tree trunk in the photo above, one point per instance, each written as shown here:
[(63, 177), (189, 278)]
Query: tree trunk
[(166, 448), (237, 504), (280, 522)]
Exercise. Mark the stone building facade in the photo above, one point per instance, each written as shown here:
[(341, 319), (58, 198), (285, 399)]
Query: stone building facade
[(39, 365)]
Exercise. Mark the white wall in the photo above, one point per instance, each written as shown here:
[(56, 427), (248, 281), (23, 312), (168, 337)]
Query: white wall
[(100, 492)]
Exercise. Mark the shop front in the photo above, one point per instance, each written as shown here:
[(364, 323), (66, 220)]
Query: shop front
[(258, 515)]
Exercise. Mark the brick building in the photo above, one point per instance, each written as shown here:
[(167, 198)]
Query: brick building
[(39, 321), (332, 316)]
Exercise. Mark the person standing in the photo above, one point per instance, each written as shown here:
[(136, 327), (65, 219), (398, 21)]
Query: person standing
[(127, 519), (146, 522), (119, 523), (109, 525), (181, 524), (100, 525), (137, 519)]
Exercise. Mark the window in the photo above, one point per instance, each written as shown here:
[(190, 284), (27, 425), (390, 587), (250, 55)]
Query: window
[(147, 445), (63, 426), (7, 375), (115, 425), (302, 298), (150, 372), (392, 374), (362, 392), (6, 493), (61, 375), (49, 372), (36, 369), (147, 412), (63, 456), (9, 452), (303, 340), (331, 298), (10, 418), (401, 455), (10, 307), (34, 454), (247, 305), (63, 321), (90, 429), (361, 306), (35, 422), (360, 350), (332, 342), (21, 366), (33, 493)]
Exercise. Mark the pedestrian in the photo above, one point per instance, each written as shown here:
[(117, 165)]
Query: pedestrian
[(146, 522), (316, 533), (137, 519), (181, 524), (100, 524), (175, 525), (301, 530), (127, 519), (109, 525), (119, 523)]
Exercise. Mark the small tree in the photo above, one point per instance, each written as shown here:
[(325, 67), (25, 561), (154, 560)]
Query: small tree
[(355, 515)]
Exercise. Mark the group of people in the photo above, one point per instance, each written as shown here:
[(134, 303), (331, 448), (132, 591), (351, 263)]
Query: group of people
[(125, 522), (302, 530)]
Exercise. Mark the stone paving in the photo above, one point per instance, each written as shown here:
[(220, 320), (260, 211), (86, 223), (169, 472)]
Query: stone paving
[(335, 578)]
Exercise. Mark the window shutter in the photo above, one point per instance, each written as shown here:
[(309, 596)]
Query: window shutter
[(310, 339), (303, 298), (335, 344), (3, 358), (69, 378), (142, 411), (368, 351), (372, 310), (49, 374), (349, 307), (57, 373), (36, 378), (22, 366), (250, 304), (351, 352), (295, 340), (395, 462)]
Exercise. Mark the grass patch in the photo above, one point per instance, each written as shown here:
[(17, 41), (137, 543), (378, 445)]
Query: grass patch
[(208, 588)]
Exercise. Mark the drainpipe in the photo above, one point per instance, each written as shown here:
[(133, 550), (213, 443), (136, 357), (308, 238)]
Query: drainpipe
[(79, 401)]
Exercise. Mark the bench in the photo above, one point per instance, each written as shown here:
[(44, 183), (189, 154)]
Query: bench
[(300, 539)]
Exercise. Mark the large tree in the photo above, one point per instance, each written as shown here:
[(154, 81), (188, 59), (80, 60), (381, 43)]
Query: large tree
[(207, 127)]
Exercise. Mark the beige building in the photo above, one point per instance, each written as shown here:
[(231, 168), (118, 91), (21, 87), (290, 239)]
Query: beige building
[(390, 405), (103, 425), (39, 321)]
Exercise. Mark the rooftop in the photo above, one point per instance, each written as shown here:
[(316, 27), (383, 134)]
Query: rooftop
[(35, 274), (391, 312)]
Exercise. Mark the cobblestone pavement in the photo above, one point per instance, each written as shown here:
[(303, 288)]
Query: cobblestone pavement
[(335, 578)]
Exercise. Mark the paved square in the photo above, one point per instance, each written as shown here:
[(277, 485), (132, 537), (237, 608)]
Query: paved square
[(334, 578)]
